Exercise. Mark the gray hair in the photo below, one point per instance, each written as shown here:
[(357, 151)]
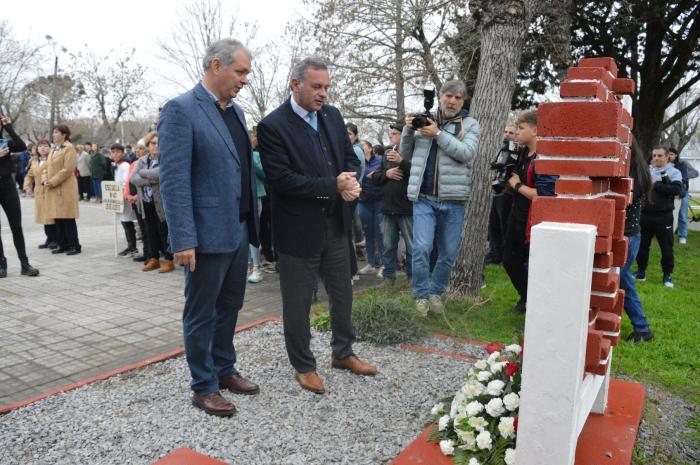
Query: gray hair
[(224, 50), (300, 69), (454, 87)]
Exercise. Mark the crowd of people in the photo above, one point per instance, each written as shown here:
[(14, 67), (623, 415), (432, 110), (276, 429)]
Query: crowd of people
[(302, 194)]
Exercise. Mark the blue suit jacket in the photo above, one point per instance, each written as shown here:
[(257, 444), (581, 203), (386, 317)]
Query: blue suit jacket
[(200, 173)]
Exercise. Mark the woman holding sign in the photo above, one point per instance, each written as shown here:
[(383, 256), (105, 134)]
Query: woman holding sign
[(62, 191), (9, 199)]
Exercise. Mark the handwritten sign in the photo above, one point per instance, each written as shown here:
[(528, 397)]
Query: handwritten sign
[(112, 196)]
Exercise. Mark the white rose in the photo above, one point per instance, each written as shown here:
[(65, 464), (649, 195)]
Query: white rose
[(443, 422), (511, 401), (494, 357), (506, 428), (510, 457), (484, 376), (495, 407), (473, 461), (495, 387), (447, 446), (497, 367), (478, 423), (481, 364), (483, 440), (473, 389), (437, 409), (456, 403), (515, 348), (474, 408), (468, 438)]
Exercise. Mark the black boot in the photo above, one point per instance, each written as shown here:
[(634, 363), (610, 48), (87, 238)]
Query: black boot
[(29, 270), (3, 267)]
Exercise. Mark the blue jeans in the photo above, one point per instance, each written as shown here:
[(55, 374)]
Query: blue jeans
[(683, 216), (213, 296), (434, 219), (391, 226), (371, 216), (97, 187), (633, 306)]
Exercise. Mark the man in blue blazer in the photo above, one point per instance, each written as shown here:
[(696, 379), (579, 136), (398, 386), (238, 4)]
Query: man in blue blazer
[(311, 166), (208, 188)]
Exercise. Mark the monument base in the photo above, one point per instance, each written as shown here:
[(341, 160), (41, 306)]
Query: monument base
[(607, 438)]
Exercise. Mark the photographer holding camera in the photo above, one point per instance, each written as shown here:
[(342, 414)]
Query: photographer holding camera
[(657, 216), (526, 185), (440, 149)]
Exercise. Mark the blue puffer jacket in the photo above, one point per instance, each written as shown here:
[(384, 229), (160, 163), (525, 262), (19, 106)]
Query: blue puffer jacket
[(457, 144), (371, 191)]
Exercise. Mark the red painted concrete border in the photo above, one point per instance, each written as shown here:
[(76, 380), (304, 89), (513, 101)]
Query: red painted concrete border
[(429, 350), (187, 457), (466, 340), (124, 369)]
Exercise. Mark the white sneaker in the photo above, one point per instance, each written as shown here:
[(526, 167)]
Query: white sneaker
[(356, 277), (367, 269), (422, 305), (683, 241), (380, 273), (255, 276), (436, 305)]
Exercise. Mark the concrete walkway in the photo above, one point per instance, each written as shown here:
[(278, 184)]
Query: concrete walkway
[(92, 312)]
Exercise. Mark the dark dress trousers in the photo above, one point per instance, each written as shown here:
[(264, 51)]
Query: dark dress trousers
[(205, 155), (310, 222)]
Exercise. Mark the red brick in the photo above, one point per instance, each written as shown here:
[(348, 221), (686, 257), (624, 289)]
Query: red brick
[(600, 368), (627, 119), (604, 302), (592, 314), (619, 252), (598, 212), (593, 347), (623, 86), (579, 186), (603, 260), (619, 231), (580, 119), (590, 73), (579, 148), (600, 62), (603, 244), (621, 185), (606, 282), (598, 168), (594, 90), (619, 304), (607, 321)]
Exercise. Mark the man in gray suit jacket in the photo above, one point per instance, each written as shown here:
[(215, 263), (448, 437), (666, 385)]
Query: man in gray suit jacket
[(208, 190)]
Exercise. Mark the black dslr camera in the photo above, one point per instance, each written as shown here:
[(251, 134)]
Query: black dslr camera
[(421, 119), (504, 165)]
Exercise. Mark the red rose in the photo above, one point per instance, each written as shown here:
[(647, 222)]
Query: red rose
[(515, 424), (494, 346), (511, 369)]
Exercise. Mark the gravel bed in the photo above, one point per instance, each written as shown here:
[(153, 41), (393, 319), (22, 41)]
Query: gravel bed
[(140, 416)]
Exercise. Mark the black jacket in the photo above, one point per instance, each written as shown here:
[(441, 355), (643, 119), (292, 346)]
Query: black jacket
[(395, 200), (301, 191), (15, 144), (662, 198)]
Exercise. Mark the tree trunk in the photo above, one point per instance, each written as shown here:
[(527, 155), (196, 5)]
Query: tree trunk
[(503, 25)]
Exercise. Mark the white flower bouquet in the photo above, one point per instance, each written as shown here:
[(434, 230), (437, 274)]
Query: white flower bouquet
[(478, 425)]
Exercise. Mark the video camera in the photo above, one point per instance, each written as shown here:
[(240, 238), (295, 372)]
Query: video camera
[(504, 165), (421, 119)]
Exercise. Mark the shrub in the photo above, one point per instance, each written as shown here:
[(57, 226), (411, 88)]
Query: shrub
[(386, 319)]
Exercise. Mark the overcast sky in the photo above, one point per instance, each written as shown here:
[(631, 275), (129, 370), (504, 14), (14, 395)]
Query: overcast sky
[(126, 24)]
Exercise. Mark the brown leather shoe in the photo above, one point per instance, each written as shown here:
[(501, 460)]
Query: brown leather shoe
[(239, 385), (355, 365), (213, 404), (166, 267), (151, 264), (311, 382)]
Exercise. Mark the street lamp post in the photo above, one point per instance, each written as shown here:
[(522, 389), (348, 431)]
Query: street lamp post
[(54, 90)]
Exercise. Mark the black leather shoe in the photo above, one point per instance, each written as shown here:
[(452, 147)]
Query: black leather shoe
[(73, 251), (59, 250), (53, 245), (29, 270), (45, 245), (3, 268), (140, 258)]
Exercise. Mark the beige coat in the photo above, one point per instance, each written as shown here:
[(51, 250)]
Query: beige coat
[(36, 174), (62, 196)]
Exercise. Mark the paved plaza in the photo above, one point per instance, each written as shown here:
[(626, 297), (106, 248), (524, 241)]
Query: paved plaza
[(90, 313)]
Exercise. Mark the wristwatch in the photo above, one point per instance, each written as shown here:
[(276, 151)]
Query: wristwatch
[(438, 133), (518, 186)]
